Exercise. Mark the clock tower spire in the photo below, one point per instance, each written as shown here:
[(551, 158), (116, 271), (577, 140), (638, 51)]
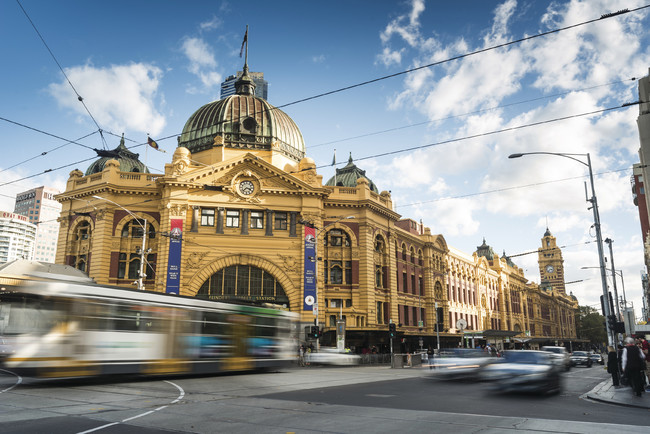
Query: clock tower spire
[(551, 264)]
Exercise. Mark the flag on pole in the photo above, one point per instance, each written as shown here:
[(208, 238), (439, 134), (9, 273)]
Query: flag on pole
[(245, 41), (152, 143)]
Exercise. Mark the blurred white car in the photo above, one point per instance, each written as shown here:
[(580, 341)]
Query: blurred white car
[(6, 349), (331, 356), (459, 363), (524, 371), (560, 356)]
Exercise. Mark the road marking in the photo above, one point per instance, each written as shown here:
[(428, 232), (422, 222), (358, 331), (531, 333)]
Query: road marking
[(377, 395), (20, 380), (180, 396)]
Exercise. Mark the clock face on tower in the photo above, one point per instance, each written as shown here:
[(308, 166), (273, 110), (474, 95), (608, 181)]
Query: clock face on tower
[(246, 187), (550, 269)]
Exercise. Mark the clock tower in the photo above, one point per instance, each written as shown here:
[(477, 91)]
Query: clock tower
[(551, 264)]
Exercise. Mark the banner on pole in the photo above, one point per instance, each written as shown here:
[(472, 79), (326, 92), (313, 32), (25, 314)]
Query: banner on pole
[(174, 262)]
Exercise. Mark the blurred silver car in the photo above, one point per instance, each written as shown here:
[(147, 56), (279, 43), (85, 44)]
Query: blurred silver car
[(523, 371), (560, 356), (331, 356), (459, 363)]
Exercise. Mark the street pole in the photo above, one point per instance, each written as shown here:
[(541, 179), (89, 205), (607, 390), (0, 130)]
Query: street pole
[(437, 329), (609, 241), (599, 237)]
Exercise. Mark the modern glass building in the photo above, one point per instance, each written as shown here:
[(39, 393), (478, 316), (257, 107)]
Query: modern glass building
[(17, 237)]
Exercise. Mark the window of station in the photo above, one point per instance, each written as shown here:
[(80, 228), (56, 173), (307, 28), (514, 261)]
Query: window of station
[(135, 229), (207, 216), (257, 220), (244, 282), (281, 221), (232, 218), (337, 237)]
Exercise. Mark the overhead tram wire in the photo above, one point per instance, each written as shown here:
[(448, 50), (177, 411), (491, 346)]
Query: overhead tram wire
[(469, 113), (42, 154), (430, 65), (429, 145), (500, 190), (462, 56), (605, 16), (79, 98)]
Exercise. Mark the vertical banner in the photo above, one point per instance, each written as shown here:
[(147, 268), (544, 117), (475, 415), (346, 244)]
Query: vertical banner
[(309, 296), (174, 262)]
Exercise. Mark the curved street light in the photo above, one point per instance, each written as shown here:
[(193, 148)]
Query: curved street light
[(594, 207), (141, 274)]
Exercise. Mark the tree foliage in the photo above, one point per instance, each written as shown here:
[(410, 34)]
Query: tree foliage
[(590, 325)]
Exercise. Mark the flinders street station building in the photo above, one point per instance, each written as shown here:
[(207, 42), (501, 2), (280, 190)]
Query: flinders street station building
[(241, 214)]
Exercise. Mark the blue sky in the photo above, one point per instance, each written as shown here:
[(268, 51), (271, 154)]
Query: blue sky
[(146, 66)]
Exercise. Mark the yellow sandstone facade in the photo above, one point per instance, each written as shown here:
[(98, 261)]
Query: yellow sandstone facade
[(241, 191)]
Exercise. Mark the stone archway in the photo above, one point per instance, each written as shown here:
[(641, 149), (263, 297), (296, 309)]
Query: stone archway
[(292, 293)]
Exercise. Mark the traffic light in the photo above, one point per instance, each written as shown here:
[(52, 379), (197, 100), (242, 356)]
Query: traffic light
[(611, 322), (315, 332), (392, 330), (619, 327)]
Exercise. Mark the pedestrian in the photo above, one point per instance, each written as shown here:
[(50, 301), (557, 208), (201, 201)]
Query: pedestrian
[(301, 355), (612, 366), (645, 347), (633, 364)]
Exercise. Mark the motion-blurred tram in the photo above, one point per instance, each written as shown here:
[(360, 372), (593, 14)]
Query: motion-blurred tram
[(61, 324)]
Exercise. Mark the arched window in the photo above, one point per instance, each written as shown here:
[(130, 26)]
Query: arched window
[(337, 257), (130, 252), (243, 282), (403, 252), (81, 245)]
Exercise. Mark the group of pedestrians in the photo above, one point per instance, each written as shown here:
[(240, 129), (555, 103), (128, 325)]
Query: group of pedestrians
[(629, 365)]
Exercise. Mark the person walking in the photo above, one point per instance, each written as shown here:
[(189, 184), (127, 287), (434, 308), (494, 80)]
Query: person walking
[(633, 364), (612, 366)]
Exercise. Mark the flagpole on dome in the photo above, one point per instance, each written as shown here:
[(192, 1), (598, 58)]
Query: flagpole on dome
[(334, 164)]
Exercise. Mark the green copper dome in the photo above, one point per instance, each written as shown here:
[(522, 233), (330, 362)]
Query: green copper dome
[(128, 160), (243, 121), (348, 175)]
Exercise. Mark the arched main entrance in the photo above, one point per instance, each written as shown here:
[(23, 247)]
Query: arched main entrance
[(243, 283)]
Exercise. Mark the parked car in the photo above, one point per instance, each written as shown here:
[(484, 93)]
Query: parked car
[(560, 356), (524, 371), (459, 363), (597, 358), (580, 358)]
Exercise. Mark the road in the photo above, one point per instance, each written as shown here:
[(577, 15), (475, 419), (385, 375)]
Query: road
[(355, 399)]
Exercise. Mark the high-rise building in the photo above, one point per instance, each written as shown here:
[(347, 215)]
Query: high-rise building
[(261, 85), (17, 237), (41, 209)]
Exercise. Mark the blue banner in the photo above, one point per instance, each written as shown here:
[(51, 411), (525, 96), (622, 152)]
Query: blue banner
[(309, 295), (174, 262)]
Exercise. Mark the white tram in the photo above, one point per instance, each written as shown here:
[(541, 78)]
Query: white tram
[(59, 323)]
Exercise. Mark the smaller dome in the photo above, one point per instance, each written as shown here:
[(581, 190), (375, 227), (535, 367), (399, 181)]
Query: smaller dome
[(128, 160), (348, 175), (485, 250), (548, 233)]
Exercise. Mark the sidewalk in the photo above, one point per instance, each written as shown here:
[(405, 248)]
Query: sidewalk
[(606, 392)]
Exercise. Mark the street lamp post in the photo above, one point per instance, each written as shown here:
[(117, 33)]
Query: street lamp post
[(141, 274), (594, 207)]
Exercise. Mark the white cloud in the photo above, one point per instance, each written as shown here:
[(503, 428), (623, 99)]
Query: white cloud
[(202, 62), (318, 59), (120, 97), (212, 24)]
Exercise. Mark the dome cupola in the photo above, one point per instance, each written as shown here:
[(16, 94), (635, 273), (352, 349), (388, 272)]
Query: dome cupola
[(348, 175), (243, 121), (128, 160)]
